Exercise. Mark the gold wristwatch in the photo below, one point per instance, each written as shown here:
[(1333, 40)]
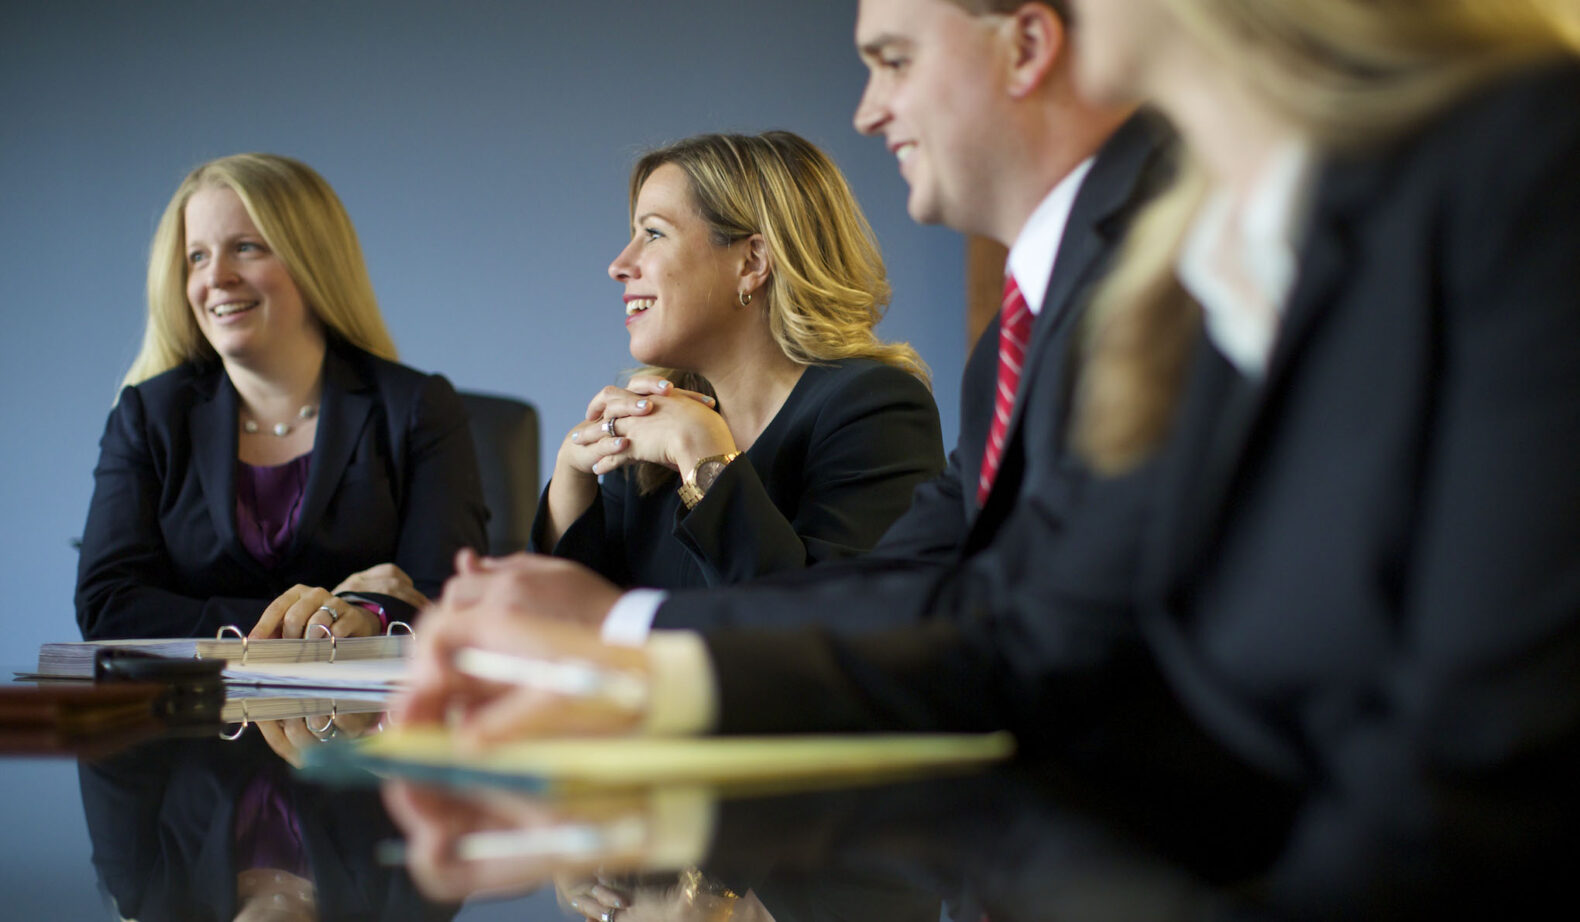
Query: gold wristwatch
[(702, 477)]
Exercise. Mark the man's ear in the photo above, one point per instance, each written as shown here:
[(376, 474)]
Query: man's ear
[(1036, 37), (756, 263)]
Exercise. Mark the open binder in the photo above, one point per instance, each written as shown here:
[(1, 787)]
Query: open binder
[(373, 664)]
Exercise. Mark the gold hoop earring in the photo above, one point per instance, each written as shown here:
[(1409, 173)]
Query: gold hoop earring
[(746, 298)]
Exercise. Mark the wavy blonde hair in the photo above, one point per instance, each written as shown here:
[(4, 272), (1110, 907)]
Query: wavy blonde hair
[(1353, 74), (828, 287), (302, 221)]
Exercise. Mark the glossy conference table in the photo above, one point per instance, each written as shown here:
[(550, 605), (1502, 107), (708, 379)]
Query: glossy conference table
[(153, 823)]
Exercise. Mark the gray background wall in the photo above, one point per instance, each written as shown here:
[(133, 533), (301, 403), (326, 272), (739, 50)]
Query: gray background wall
[(482, 149)]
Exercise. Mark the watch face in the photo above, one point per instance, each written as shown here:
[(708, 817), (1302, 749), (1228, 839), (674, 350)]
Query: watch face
[(707, 473)]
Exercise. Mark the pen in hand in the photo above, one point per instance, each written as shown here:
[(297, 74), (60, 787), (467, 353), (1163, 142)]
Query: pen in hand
[(568, 677)]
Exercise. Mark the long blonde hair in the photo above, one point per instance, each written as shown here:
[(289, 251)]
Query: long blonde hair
[(828, 287), (1352, 74), (302, 221)]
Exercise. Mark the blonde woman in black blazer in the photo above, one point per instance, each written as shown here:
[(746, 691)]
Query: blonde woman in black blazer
[(770, 429), (267, 451)]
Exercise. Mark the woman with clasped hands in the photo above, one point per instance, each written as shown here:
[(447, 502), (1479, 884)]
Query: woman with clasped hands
[(266, 445), (771, 428)]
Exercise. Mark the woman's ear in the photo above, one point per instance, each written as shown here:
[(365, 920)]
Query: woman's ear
[(756, 263)]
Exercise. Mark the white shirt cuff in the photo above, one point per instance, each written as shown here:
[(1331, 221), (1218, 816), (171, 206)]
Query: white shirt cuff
[(682, 691), (631, 619)]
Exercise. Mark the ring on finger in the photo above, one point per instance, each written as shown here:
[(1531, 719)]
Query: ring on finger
[(608, 427), (333, 615)]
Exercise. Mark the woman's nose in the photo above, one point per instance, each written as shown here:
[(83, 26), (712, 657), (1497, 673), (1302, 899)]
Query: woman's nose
[(218, 273), (623, 269)]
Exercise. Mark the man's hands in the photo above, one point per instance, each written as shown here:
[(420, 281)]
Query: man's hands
[(537, 614)]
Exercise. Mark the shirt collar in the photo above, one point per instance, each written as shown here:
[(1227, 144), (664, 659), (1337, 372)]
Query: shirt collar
[(1239, 260), (1035, 251)]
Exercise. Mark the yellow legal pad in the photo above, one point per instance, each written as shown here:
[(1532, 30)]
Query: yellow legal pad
[(431, 755)]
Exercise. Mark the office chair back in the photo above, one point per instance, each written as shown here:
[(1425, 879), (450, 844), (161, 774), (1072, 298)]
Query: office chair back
[(505, 431)]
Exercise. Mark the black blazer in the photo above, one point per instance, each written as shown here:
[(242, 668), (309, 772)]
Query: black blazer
[(1359, 591), (393, 478), (898, 581), (833, 468)]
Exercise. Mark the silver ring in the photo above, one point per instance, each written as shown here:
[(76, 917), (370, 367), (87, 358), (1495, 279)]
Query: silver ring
[(608, 426), (333, 615)]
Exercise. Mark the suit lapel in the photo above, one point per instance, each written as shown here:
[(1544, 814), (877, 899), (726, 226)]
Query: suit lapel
[(212, 428), (1222, 426), (342, 413), (976, 413), (1122, 177)]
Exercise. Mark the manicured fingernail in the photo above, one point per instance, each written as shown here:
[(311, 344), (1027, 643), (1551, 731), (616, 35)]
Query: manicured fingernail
[(710, 400), (664, 385), (576, 437), (641, 404)]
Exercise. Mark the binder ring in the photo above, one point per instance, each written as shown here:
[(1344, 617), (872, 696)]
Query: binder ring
[(232, 737), (220, 635), (390, 631), (333, 640), (328, 731)]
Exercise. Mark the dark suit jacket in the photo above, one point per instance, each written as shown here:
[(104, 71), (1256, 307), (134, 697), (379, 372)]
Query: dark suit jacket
[(1359, 592), (393, 478), (831, 471), (921, 555)]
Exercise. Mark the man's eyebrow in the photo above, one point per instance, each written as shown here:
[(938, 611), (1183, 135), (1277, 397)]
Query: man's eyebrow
[(876, 46)]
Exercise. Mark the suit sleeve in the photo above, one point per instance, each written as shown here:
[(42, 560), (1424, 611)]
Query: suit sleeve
[(934, 528), (124, 572), (596, 539), (873, 441), (443, 509)]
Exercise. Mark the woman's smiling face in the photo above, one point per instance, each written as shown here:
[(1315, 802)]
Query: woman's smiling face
[(680, 285)]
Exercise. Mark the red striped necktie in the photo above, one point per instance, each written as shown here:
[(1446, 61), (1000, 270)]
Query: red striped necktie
[(1014, 333)]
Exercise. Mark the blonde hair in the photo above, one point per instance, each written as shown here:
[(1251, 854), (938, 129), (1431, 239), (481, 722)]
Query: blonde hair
[(302, 221), (1352, 74), (828, 287)]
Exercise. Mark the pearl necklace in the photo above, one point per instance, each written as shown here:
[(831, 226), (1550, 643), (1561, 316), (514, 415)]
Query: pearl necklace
[(251, 427)]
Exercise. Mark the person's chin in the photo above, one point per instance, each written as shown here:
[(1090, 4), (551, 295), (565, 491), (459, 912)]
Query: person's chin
[(924, 209)]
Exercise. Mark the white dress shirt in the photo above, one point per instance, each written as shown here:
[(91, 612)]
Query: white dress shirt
[(1239, 259)]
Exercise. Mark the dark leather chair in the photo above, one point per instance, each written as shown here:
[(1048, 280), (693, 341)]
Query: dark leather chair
[(505, 431)]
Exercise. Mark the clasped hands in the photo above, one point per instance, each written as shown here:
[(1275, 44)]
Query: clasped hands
[(649, 419)]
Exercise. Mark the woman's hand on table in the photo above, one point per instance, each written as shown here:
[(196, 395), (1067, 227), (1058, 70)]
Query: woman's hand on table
[(294, 613), (385, 579)]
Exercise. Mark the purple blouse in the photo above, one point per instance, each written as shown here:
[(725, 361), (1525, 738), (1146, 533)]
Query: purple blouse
[(267, 831), (269, 506), (268, 509)]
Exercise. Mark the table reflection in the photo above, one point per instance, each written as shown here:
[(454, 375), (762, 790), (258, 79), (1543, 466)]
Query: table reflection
[(1000, 845), (212, 828), (205, 828)]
